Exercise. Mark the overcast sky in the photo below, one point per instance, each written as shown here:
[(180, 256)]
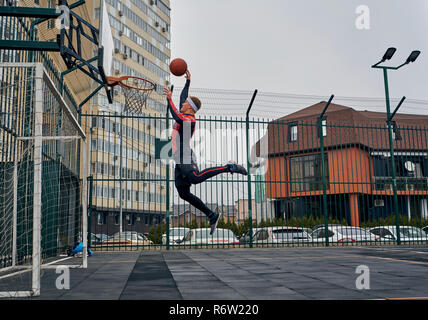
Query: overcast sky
[(300, 47), (309, 47)]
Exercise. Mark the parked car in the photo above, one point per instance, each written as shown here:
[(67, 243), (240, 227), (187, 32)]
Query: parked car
[(95, 239), (425, 229), (407, 233), (127, 238), (281, 234), (245, 238), (342, 234), (307, 230), (102, 236), (323, 226), (202, 236), (175, 234)]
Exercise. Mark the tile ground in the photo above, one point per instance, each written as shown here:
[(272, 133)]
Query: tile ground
[(235, 274)]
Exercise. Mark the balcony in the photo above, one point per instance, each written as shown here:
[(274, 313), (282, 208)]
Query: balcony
[(403, 183)]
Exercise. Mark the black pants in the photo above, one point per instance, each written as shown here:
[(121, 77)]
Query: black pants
[(188, 174)]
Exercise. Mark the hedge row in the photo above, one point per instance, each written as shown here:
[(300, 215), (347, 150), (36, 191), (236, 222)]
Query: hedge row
[(305, 222)]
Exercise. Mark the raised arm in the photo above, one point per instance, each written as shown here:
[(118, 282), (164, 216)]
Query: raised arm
[(185, 92), (172, 108)]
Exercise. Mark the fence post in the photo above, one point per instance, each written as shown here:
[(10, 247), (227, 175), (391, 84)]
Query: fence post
[(15, 204), (90, 187), (167, 182), (324, 182), (247, 125), (390, 116), (121, 193), (37, 193), (84, 200)]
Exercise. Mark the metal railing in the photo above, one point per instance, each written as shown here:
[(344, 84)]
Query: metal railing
[(310, 183)]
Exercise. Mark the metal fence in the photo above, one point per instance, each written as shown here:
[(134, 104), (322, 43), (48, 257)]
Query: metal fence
[(313, 181)]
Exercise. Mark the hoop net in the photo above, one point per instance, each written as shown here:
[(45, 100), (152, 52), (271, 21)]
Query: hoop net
[(136, 91)]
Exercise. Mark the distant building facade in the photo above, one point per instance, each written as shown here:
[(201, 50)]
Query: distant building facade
[(357, 161)]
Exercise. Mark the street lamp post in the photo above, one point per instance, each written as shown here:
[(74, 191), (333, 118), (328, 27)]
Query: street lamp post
[(387, 56)]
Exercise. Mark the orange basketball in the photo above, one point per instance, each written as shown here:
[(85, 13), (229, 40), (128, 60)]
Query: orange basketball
[(178, 67)]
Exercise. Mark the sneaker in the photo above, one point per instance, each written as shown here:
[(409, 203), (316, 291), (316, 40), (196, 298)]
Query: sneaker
[(236, 168), (214, 221)]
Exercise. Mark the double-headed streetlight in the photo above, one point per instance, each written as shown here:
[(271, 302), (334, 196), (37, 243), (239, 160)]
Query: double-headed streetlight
[(387, 56)]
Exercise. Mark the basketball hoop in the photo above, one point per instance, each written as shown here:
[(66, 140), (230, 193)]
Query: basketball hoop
[(136, 91)]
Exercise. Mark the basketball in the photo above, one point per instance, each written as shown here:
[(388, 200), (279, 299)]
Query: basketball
[(178, 67)]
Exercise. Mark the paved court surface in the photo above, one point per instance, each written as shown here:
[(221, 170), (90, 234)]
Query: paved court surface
[(244, 274)]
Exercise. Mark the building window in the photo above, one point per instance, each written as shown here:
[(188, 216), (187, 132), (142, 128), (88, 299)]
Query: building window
[(395, 131), (324, 127), (94, 122), (51, 22), (130, 219), (292, 132), (306, 173), (411, 172), (101, 219), (97, 13)]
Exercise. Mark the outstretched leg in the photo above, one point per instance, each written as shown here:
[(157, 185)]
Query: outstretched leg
[(197, 176), (185, 176), (185, 194)]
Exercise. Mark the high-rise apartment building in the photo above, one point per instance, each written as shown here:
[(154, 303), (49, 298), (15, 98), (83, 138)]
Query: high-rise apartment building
[(141, 35)]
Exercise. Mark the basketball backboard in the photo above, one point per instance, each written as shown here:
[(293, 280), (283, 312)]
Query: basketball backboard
[(106, 48), (80, 34), (105, 41), (75, 37)]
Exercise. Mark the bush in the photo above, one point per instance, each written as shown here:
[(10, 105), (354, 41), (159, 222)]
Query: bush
[(304, 222), (156, 233)]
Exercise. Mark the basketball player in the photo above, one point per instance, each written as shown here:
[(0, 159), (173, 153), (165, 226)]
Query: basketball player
[(186, 169)]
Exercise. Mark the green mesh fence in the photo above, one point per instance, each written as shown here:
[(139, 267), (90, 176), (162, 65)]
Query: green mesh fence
[(313, 182)]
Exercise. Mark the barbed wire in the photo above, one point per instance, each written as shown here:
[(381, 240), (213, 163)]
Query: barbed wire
[(220, 102)]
